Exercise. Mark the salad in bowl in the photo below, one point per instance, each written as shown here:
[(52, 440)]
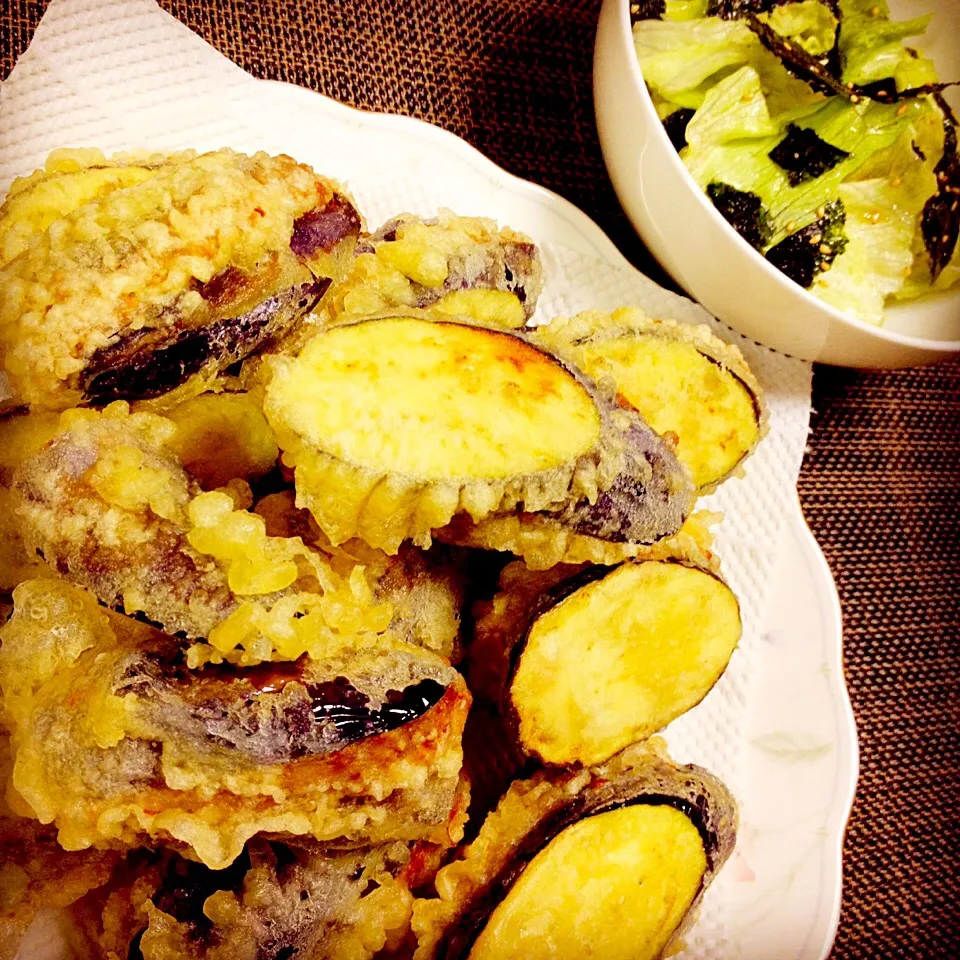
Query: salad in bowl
[(819, 133)]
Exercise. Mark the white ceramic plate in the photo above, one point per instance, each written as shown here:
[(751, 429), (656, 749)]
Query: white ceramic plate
[(801, 765)]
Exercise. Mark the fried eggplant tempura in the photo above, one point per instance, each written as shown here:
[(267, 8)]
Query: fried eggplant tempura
[(464, 266), (109, 506), (361, 747), (275, 900), (122, 278)]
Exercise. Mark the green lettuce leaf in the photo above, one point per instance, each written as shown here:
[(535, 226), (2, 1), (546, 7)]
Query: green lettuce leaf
[(871, 44), (810, 24), (680, 10), (861, 129), (878, 255), (883, 207), (681, 61), (733, 109)]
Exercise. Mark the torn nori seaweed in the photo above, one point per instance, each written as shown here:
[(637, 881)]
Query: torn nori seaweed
[(810, 250), (804, 155), (735, 9), (676, 126), (647, 10), (748, 9), (818, 72), (940, 222), (744, 211)]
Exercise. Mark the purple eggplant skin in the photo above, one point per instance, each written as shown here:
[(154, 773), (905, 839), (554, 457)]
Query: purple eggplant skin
[(648, 501), (279, 712), (148, 363), (322, 230), (695, 792), (152, 361), (513, 266)]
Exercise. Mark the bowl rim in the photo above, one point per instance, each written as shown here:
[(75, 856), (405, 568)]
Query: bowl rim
[(809, 300)]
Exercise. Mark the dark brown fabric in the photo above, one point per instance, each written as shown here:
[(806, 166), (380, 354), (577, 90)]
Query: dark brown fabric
[(880, 486)]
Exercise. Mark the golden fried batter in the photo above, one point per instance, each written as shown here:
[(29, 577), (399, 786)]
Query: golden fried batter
[(116, 741), (276, 899), (426, 589), (21, 436), (35, 871), (544, 543), (124, 279), (108, 505), (222, 437), (458, 266)]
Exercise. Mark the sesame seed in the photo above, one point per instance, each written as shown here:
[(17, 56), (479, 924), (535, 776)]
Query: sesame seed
[(791, 225), (901, 110), (826, 249), (896, 182), (854, 99), (825, 266), (945, 238), (815, 239), (821, 212)]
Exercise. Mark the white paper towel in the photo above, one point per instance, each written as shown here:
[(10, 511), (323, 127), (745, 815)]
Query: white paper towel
[(122, 74)]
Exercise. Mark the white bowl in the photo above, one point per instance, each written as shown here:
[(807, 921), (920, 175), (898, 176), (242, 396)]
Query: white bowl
[(711, 261)]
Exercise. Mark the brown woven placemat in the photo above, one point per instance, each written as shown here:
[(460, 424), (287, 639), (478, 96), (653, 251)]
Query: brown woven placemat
[(880, 486)]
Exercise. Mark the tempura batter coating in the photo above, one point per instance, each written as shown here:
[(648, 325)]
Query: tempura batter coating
[(35, 871), (395, 425), (535, 813), (360, 748), (683, 379), (543, 543), (426, 589), (108, 505), (148, 274), (464, 266), (223, 436), (21, 436), (275, 900)]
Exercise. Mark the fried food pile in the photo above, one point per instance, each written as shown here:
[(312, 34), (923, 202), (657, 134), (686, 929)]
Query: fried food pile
[(344, 596)]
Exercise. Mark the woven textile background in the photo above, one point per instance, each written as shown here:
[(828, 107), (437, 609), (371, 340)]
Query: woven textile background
[(880, 486)]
